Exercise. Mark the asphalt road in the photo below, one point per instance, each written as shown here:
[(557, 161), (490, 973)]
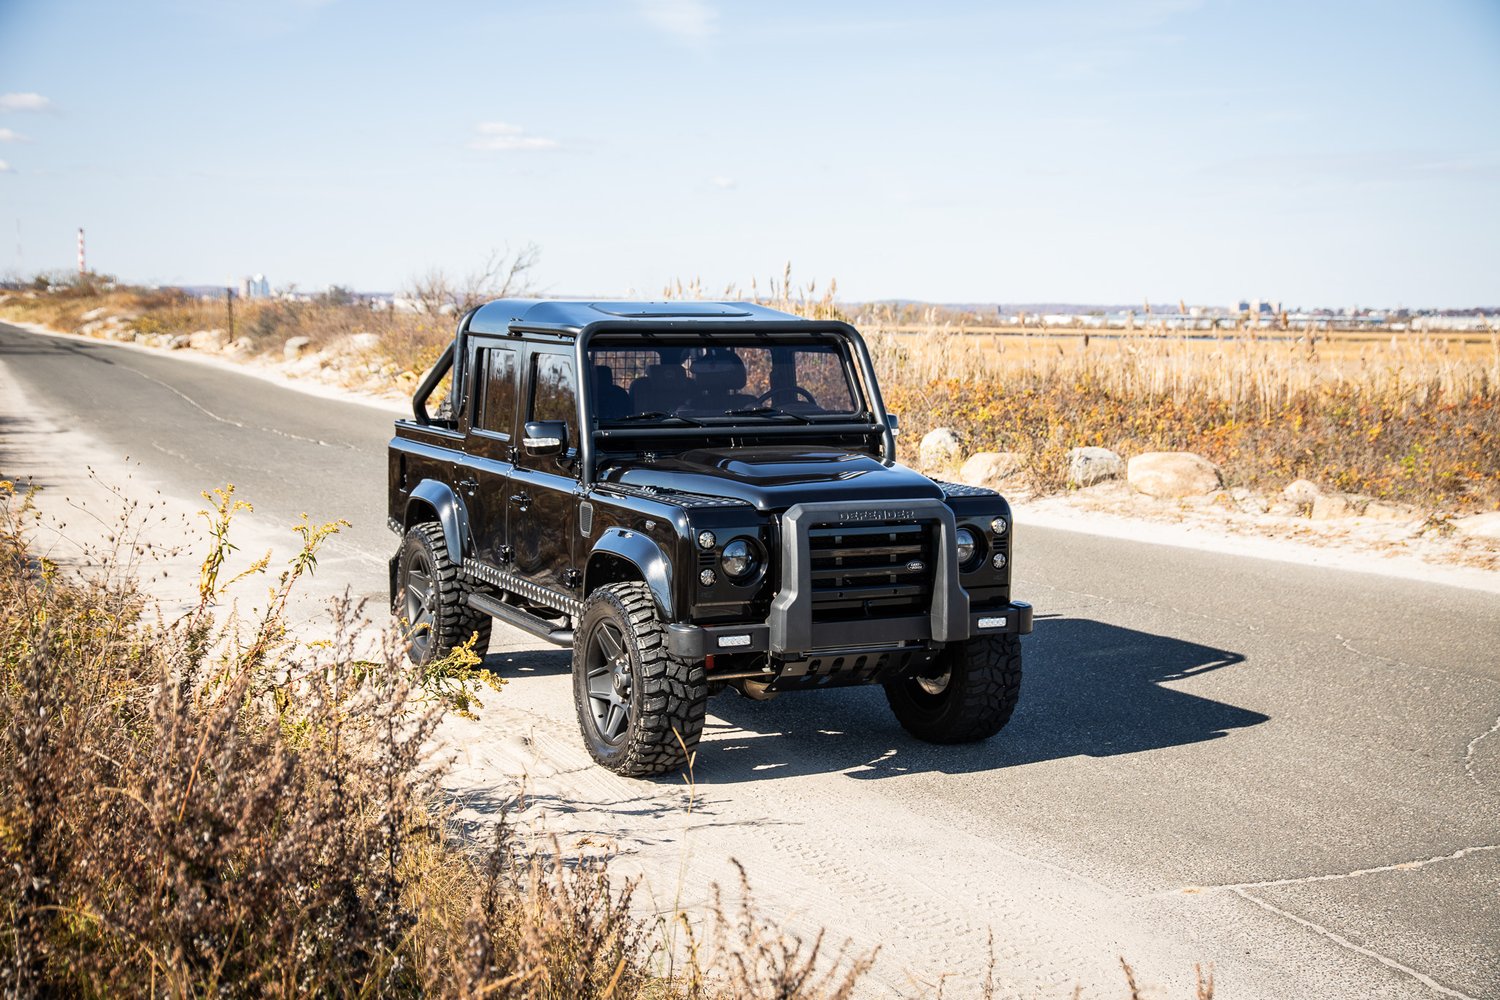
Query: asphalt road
[(1297, 770)]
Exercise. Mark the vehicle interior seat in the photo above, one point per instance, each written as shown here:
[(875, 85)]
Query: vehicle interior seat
[(664, 387), (610, 401), (718, 375)]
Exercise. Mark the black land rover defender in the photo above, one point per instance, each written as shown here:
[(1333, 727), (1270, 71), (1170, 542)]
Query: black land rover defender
[(695, 496)]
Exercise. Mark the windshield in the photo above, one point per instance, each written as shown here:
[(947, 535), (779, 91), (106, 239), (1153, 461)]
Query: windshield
[(726, 380)]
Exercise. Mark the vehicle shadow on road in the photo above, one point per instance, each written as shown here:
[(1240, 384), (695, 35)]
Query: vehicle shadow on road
[(1090, 689)]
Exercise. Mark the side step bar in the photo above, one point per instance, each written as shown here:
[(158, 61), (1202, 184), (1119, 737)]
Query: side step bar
[(523, 620)]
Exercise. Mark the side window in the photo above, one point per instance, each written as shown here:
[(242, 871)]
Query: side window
[(495, 407), (554, 392)]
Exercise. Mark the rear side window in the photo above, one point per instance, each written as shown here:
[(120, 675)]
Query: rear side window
[(496, 409), (554, 392)]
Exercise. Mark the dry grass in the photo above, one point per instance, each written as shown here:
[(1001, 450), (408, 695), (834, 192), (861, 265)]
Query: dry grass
[(1399, 421), (207, 807), (1408, 417)]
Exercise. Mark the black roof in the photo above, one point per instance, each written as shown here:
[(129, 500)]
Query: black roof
[(571, 317)]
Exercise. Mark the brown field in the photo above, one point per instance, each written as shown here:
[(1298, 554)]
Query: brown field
[(1408, 417)]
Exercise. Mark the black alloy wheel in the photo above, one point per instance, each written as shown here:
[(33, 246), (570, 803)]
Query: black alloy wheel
[(640, 709), (433, 599)]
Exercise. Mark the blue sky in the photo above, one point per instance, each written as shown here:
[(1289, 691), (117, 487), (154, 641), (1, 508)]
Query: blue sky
[(1320, 153)]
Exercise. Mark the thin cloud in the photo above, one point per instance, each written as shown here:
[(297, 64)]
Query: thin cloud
[(725, 183), (5, 168), (505, 137), (24, 102), (689, 20), (11, 135)]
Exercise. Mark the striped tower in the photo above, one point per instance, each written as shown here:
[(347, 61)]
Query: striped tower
[(82, 268)]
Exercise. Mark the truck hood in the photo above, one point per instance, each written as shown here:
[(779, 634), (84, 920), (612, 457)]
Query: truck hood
[(774, 478)]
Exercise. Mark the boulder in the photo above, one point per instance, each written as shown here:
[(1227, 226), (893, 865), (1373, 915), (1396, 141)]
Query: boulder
[(292, 349), (207, 340), (1252, 502), (1486, 525), (1172, 474), (1087, 466), (1301, 492), (1379, 510), (940, 448), (364, 341), (177, 341), (1331, 506), (94, 314), (988, 468)]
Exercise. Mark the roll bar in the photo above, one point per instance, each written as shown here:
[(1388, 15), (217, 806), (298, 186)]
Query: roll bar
[(451, 358), (668, 331)]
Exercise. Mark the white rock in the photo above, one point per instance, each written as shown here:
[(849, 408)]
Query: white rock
[(1382, 511), (292, 350), (1331, 506), (1486, 525), (93, 314), (940, 448), (1087, 466), (364, 341), (1302, 491), (1172, 474), (988, 468), (207, 340)]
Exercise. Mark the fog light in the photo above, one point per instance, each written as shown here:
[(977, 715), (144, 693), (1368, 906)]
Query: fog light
[(998, 525), (706, 540), (999, 561), (707, 578)]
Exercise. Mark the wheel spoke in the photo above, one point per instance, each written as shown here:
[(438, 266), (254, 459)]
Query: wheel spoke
[(614, 723), (609, 642)]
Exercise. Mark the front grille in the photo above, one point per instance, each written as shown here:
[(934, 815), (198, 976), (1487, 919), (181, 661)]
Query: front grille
[(872, 570)]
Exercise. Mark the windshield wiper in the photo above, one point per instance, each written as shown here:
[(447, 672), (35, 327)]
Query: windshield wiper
[(766, 411), (656, 415)]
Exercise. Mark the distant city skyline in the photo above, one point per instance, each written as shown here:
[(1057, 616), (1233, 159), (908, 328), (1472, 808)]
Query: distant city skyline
[(1090, 151)]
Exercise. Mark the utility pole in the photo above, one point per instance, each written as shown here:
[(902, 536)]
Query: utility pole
[(229, 306), (82, 267)]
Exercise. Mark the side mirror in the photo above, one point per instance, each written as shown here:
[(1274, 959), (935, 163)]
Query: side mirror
[(545, 437), (894, 423)]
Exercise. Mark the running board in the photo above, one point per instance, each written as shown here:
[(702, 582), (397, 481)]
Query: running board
[(523, 620)]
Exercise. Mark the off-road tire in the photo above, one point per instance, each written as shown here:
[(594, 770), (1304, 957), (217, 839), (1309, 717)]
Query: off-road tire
[(667, 696), (452, 620), (984, 684)]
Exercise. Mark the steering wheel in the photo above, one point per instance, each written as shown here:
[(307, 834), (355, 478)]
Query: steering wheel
[(796, 391)]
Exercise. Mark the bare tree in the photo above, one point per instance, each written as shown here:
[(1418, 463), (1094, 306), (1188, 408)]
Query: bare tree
[(502, 274)]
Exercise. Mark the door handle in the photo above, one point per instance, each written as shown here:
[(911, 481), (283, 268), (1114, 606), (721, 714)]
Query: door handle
[(520, 500), (469, 484)]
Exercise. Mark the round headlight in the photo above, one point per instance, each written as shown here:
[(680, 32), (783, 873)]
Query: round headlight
[(998, 525), (738, 559), (966, 544)]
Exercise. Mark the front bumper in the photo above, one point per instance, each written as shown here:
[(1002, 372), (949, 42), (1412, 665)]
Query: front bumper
[(694, 642)]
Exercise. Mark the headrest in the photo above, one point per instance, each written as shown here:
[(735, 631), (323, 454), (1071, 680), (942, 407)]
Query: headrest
[(673, 372), (718, 368)]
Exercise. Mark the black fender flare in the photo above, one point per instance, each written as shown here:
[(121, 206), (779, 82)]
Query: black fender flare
[(451, 514), (641, 552)]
